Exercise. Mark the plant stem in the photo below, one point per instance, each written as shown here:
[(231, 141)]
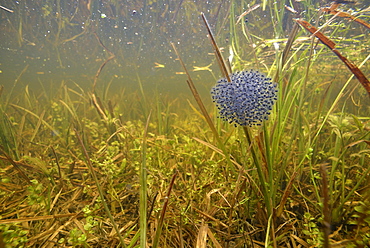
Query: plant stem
[(89, 164), (260, 172), (143, 188)]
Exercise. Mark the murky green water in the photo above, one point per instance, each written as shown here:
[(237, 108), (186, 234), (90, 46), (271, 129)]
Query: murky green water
[(56, 41)]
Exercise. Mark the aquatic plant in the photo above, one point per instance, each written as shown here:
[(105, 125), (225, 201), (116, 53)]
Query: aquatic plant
[(298, 180), (247, 100)]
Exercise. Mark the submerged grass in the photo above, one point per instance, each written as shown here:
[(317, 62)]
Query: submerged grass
[(207, 199)]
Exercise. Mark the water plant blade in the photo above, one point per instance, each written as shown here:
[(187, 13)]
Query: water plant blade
[(346, 15), (100, 191), (143, 187), (112, 56), (197, 97), (163, 212), (15, 165), (329, 43), (220, 59)]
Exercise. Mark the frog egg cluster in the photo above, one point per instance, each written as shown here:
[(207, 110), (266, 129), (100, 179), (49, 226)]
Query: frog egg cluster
[(247, 100)]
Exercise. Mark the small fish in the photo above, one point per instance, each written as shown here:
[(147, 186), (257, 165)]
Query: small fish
[(202, 68), (158, 65)]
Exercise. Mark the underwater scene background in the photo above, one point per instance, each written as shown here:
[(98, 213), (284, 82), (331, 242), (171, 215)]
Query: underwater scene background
[(184, 123)]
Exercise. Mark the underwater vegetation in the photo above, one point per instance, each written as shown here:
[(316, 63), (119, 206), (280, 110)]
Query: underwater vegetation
[(269, 148)]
